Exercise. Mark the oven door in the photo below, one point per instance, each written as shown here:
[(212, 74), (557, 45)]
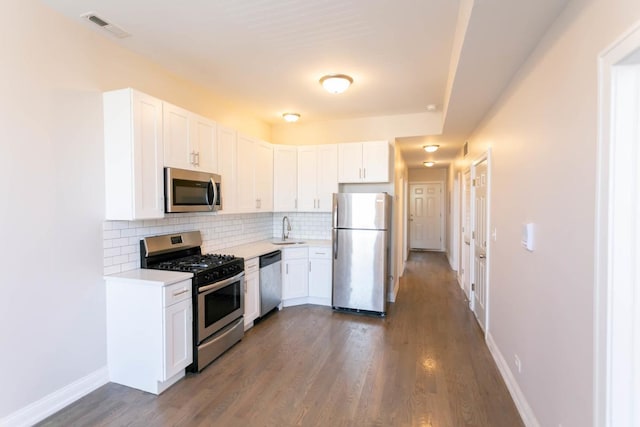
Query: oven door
[(190, 191), (219, 304)]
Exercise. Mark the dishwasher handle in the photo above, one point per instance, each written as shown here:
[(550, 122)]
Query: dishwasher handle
[(270, 258)]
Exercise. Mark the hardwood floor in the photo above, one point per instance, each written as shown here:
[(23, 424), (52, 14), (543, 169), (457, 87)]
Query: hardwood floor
[(425, 364)]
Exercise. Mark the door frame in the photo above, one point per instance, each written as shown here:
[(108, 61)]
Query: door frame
[(472, 250), (442, 211), (617, 250), (463, 205)]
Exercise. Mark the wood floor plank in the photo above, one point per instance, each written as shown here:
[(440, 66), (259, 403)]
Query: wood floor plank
[(425, 364)]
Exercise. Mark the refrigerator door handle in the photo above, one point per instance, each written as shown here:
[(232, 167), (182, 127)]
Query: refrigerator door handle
[(335, 211), (335, 243)]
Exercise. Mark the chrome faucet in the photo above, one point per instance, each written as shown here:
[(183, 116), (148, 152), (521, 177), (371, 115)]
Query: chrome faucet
[(285, 236)]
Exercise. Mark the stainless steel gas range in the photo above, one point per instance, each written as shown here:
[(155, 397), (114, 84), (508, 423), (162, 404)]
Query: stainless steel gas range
[(218, 291)]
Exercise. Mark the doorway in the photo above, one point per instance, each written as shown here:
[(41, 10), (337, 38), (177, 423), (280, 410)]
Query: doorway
[(425, 216), (617, 299)]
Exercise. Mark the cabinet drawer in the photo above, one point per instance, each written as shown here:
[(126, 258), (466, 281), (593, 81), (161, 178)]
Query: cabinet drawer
[(295, 253), (320, 253), (251, 265), (176, 293)]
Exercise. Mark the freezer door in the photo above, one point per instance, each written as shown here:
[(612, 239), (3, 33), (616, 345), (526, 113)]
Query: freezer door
[(360, 269), (361, 210)]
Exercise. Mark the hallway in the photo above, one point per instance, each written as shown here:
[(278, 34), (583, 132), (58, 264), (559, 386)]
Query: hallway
[(425, 364)]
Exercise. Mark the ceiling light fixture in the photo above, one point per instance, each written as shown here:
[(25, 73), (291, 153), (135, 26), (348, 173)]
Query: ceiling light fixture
[(431, 148), (429, 164), (291, 117), (336, 83), (431, 107)]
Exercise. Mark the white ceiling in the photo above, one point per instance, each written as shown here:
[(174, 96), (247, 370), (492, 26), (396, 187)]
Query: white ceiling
[(268, 55)]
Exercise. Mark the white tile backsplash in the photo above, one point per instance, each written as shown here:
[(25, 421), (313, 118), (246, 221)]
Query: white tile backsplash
[(122, 238), (304, 225)]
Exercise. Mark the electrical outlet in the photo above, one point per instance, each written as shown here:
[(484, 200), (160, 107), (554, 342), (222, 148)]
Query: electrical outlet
[(494, 234), (518, 364)]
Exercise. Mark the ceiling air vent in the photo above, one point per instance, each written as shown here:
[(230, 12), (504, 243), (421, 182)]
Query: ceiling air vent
[(112, 29)]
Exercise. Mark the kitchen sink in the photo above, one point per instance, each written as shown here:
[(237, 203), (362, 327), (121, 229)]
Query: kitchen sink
[(287, 242)]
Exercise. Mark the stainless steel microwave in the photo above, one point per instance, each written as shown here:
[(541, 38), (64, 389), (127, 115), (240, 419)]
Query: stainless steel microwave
[(191, 191)]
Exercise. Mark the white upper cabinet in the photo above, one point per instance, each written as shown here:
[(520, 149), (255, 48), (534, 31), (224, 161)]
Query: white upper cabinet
[(254, 175), (134, 182), (227, 168), (205, 143), (363, 162), (264, 176), (190, 140), (317, 177), (285, 178)]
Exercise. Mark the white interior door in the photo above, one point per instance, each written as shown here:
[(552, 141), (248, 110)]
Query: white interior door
[(479, 241), (426, 216), (466, 236)]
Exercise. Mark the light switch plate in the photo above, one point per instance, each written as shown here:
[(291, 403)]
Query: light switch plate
[(528, 236)]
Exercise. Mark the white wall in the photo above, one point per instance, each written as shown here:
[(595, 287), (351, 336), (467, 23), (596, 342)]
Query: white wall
[(543, 136), (52, 321)]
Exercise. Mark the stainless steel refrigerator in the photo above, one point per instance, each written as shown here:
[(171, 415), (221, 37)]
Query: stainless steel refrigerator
[(360, 236)]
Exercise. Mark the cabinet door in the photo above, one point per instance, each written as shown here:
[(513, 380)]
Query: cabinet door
[(375, 161), (307, 178), (320, 279), (227, 167), (246, 164), (178, 335), (285, 178), (264, 176), (327, 176), (251, 298), (177, 152), (148, 193), (204, 143), (350, 162), (295, 282)]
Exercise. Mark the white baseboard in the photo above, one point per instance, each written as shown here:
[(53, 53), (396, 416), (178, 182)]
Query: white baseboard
[(52, 403), (528, 417)]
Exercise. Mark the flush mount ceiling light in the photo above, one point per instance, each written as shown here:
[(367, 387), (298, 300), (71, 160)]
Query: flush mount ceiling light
[(431, 148), (291, 117), (336, 83), (431, 107), (429, 164)]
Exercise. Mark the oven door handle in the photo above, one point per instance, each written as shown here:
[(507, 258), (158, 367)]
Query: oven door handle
[(221, 284)]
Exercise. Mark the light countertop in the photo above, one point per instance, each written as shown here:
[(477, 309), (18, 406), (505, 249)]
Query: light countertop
[(143, 276), (252, 250)]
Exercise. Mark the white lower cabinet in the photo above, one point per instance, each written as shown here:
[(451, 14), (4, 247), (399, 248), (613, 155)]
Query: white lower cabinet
[(306, 276), (149, 332), (320, 275), (251, 291), (295, 276)]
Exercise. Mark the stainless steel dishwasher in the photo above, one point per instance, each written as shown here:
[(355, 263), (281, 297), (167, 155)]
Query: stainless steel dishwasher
[(270, 281)]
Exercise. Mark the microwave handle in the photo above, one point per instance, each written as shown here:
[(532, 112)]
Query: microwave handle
[(212, 203)]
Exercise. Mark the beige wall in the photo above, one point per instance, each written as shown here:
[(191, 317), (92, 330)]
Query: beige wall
[(543, 135), (427, 174), (360, 129), (52, 310)]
